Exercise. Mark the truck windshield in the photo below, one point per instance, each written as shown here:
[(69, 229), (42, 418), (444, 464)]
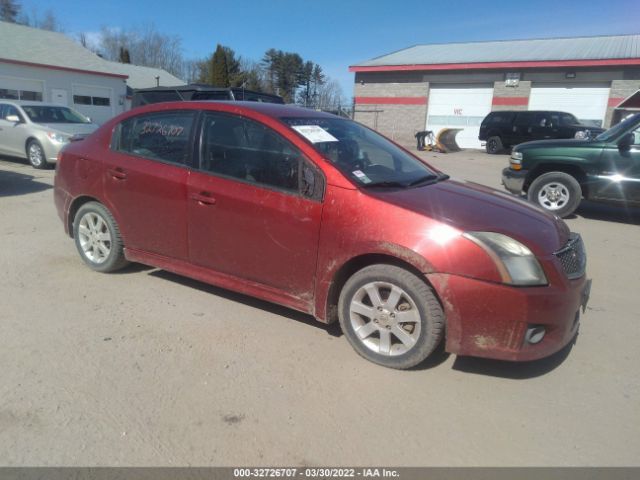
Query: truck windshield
[(364, 156), (613, 132)]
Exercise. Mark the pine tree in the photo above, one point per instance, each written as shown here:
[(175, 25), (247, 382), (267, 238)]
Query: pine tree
[(124, 56), (219, 72), (9, 10)]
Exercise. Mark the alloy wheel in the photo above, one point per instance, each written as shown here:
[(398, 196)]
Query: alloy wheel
[(95, 238), (385, 318)]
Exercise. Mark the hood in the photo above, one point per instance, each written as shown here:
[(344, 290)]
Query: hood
[(579, 126), (567, 142), (472, 207), (70, 128)]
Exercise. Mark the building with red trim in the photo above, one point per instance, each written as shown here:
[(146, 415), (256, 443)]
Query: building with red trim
[(430, 87)]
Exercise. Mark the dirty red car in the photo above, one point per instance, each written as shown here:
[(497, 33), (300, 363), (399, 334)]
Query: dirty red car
[(325, 216)]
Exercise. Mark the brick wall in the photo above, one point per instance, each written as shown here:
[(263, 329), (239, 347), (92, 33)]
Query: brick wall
[(620, 89), (397, 110), (511, 98)]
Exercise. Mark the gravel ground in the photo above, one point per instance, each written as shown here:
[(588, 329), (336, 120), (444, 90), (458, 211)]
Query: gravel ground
[(147, 368)]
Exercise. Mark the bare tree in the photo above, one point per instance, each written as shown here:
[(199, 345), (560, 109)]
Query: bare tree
[(147, 46), (330, 95)]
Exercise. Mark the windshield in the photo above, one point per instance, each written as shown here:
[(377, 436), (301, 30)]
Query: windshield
[(48, 114), (361, 154), (613, 132)]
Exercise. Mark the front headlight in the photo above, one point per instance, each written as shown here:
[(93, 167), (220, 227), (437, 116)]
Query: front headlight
[(515, 162), (57, 138), (515, 262)]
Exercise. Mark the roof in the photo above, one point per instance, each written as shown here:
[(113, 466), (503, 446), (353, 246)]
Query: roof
[(576, 51), (145, 77), (43, 48), (32, 46)]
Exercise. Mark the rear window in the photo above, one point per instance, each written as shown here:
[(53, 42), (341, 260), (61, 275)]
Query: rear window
[(500, 118), (159, 136)]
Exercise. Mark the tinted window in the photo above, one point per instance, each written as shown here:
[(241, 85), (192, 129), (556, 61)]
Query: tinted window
[(524, 119), (240, 148), (500, 118), (7, 110), (160, 136)]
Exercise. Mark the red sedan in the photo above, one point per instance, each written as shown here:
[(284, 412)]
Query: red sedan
[(325, 216)]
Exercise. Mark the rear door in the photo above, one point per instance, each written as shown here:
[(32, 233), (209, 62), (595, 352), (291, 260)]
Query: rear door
[(13, 136), (248, 214), (522, 128), (145, 180)]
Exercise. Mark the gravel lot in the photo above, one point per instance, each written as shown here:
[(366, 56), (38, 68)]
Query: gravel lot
[(147, 368)]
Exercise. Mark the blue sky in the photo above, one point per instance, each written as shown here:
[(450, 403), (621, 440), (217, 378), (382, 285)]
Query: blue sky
[(337, 33)]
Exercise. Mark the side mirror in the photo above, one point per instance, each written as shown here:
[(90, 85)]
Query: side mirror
[(13, 118), (626, 141)]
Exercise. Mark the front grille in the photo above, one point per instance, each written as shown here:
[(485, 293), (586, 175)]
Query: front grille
[(572, 257)]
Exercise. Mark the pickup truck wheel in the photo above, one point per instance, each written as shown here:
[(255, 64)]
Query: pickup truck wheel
[(390, 316), (494, 145), (556, 192)]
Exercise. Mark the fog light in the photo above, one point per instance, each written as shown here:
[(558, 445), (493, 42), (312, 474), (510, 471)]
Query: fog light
[(534, 334)]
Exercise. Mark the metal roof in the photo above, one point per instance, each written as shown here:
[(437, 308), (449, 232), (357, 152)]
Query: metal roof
[(33, 46), (536, 50), (145, 77)]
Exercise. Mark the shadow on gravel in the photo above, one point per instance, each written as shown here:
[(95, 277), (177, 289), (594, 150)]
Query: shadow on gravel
[(609, 213), (333, 329), (513, 370), (14, 183)]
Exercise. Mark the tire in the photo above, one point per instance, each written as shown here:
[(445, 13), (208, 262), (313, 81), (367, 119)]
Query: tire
[(97, 238), (494, 145), (556, 192), (374, 327), (36, 155)]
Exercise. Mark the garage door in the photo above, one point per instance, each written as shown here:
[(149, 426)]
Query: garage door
[(589, 104), (21, 88), (93, 101), (459, 107)]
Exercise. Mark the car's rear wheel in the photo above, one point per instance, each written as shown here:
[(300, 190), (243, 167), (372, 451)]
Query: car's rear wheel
[(494, 145), (98, 238), (556, 192), (390, 316), (36, 155)]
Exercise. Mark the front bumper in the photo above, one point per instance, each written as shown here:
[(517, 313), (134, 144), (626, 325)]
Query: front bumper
[(491, 320), (513, 180)]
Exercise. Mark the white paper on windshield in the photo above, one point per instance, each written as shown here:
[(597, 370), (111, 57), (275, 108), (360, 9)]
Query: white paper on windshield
[(361, 175), (314, 133)]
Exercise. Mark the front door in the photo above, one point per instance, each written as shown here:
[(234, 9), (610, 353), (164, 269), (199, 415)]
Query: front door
[(620, 169), (145, 181), (248, 217)]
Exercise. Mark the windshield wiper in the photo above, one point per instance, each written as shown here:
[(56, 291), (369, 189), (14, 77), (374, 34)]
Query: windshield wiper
[(386, 183), (428, 180)]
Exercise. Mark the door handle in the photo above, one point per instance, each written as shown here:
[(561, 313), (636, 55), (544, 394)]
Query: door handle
[(118, 173), (203, 198)]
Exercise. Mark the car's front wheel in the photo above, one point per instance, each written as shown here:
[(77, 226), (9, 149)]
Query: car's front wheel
[(556, 192), (390, 316), (36, 155), (98, 238)]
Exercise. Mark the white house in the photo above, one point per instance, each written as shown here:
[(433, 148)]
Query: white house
[(49, 66)]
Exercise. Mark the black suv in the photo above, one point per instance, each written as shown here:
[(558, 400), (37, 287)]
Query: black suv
[(194, 91), (502, 130)]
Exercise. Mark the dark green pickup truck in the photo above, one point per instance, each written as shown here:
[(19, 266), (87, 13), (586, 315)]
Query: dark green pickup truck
[(557, 174)]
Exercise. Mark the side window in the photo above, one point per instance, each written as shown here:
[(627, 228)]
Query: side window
[(159, 136), (9, 110), (241, 148), (524, 120)]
